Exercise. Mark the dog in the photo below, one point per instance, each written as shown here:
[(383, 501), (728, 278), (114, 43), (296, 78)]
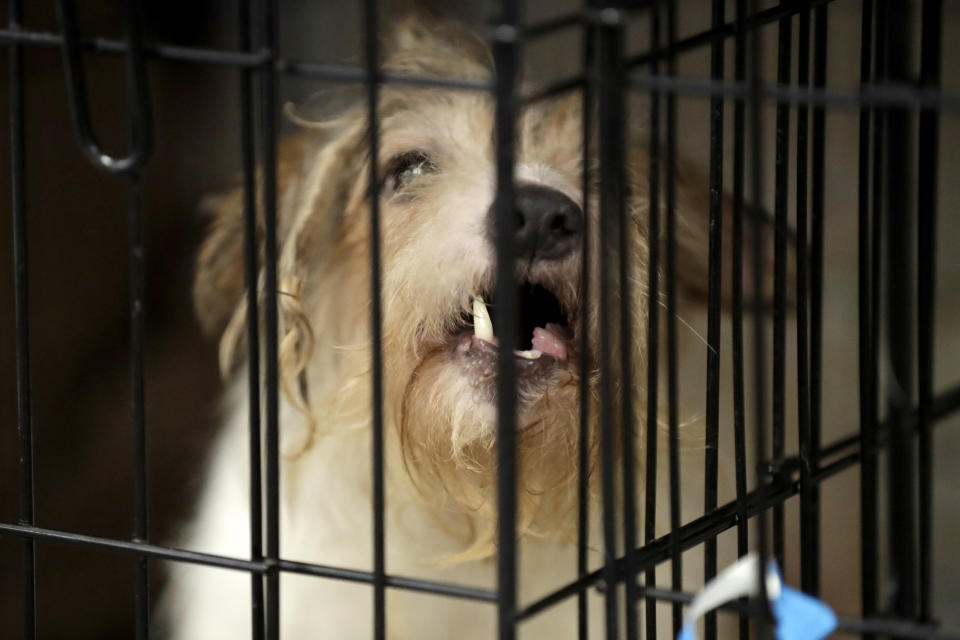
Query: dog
[(436, 166)]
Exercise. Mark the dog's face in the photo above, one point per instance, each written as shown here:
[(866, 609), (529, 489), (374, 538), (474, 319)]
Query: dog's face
[(436, 169)]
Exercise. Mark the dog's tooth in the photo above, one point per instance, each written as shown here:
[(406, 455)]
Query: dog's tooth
[(530, 354), (482, 325)]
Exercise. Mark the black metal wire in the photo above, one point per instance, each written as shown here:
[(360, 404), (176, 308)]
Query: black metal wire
[(901, 470), (610, 123), (21, 284), (627, 419), (764, 622), (653, 324), (138, 95), (673, 402), (818, 160), (269, 41), (371, 32), (137, 287), (714, 277), (739, 428), (754, 20), (809, 558), (251, 275), (926, 273), (583, 440), (505, 54), (868, 463), (781, 193)]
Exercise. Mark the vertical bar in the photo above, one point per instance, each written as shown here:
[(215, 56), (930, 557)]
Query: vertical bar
[(712, 432), (137, 302), (251, 271), (611, 166), (583, 441), (781, 191), (926, 286), (868, 463), (21, 285), (268, 99), (672, 391), (505, 55), (902, 583), (371, 38), (808, 551), (739, 427), (618, 125), (765, 620), (812, 584), (137, 333), (653, 324)]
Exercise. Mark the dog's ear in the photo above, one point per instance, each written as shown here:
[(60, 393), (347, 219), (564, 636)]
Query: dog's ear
[(693, 244), (220, 281)]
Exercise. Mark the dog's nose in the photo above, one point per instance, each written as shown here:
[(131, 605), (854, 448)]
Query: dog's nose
[(549, 223)]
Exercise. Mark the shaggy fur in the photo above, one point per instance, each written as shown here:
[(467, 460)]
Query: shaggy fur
[(440, 415)]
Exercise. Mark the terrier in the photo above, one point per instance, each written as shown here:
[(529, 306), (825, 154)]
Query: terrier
[(436, 166)]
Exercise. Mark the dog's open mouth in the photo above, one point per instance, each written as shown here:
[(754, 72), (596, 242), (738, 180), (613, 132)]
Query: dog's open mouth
[(545, 334)]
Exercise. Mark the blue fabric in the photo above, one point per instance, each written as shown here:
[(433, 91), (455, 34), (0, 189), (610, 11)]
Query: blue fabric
[(802, 617)]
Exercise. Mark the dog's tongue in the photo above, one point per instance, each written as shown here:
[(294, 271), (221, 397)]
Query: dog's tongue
[(548, 341)]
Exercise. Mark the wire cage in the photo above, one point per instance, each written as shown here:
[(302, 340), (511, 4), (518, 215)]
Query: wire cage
[(896, 183)]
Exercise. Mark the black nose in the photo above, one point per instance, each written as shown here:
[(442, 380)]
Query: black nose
[(549, 223)]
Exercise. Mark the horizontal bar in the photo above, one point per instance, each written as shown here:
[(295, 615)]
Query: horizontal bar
[(239, 564), (728, 30), (657, 551), (943, 405), (330, 72), (886, 95), (725, 517)]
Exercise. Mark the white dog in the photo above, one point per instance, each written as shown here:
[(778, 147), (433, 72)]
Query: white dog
[(437, 168)]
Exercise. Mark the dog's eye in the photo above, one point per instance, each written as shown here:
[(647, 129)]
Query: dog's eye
[(404, 169)]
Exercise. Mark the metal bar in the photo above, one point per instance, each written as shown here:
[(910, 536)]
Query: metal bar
[(616, 118), (137, 292), (901, 470), (715, 280), (259, 568), (781, 193), (671, 285), (653, 324), (879, 75), (765, 622), (251, 274), (873, 95), (926, 288), (21, 286), (371, 37), (816, 292), (754, 20), (809, 555), (868, 464), (269, 40), (610, 122), (583, 441), (137, 92), (739, 427), (661, 549), (505, 54), (251, 59)]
